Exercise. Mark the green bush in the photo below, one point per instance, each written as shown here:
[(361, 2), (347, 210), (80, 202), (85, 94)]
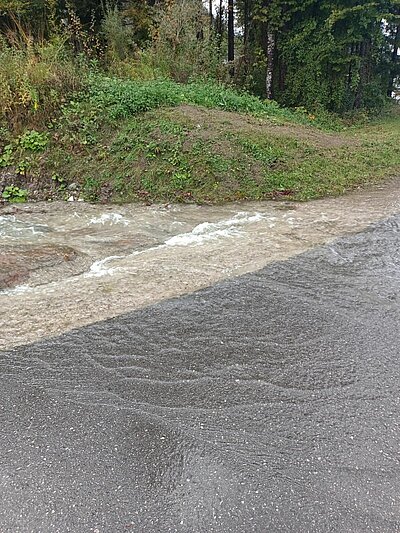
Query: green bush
[(14, 194), (215, 95), (33, 141), (122, 98)]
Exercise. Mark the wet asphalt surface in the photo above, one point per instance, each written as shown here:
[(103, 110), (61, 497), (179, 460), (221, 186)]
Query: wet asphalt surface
[(266, 403)]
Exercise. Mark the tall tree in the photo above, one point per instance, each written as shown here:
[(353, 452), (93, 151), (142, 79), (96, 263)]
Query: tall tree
[(231, 36), (329, 53)]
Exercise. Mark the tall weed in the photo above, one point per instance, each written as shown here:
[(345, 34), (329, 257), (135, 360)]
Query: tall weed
[(118, 36), (35, 80)]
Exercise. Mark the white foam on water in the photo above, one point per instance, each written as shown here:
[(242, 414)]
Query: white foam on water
[(99, 268), (202, 233), (18, 289), (11, 227), (209, 231), (111, 218)]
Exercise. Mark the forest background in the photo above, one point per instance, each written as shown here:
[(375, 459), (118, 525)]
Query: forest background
[(71, 66)]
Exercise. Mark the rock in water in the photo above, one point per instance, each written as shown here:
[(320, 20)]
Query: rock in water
[(18, 263)]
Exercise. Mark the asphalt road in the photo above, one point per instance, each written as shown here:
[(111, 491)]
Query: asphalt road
[(267, 403)]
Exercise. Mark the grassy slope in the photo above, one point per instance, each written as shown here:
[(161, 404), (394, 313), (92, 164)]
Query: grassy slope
[(195, 154), (113, 150)]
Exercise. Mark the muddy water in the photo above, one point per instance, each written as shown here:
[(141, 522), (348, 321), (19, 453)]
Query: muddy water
[(268, 403), (132, 256)]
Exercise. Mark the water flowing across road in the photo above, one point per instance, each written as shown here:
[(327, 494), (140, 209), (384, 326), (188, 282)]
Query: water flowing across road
[(267, 402), (106, 260)]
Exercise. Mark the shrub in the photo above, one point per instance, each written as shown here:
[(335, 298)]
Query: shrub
[(33, 141), (124, 98), (182, 47), (121, 98), (35, 79), (118, 37), (14, 194)]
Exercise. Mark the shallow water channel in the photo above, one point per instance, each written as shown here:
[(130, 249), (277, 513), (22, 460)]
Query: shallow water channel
[(120, 258)]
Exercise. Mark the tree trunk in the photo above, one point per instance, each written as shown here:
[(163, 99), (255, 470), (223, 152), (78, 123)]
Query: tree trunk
[(395, 59), (231, 38), (246, 24), (246, 32), (270, 65), (364, 72), (350, 71)]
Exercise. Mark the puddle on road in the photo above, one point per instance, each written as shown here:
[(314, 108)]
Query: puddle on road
[(137, 255)]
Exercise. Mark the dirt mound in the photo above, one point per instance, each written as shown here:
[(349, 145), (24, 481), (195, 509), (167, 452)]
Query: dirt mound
[(212, 119)]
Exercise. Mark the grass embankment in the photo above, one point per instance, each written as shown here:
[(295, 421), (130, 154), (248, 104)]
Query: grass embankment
[(160, 141)]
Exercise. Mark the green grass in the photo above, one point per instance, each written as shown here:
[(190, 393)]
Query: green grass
[(123, 98), (165, 156), (127, 141)]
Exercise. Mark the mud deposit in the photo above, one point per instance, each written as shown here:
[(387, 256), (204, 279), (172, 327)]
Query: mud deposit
[(269, 402)]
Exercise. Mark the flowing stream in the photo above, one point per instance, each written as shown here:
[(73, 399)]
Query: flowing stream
[(119, 258)]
